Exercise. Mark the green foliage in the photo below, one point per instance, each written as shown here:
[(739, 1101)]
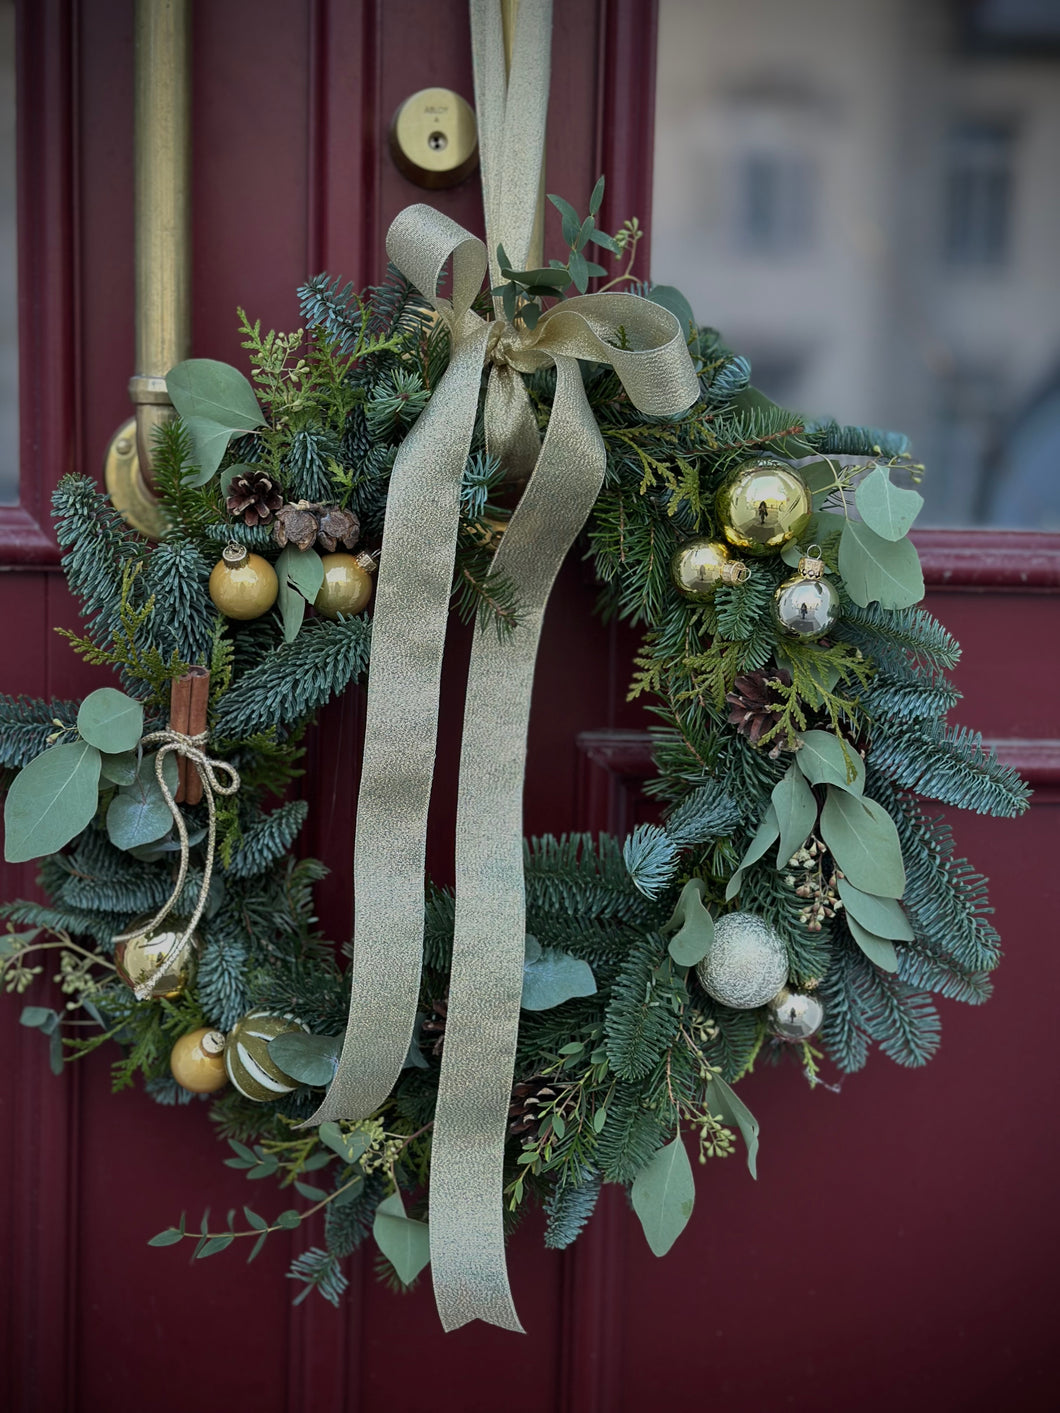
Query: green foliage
[(28, 726), (298, 678), (644, 1013), (568, 1209), (950, 764)]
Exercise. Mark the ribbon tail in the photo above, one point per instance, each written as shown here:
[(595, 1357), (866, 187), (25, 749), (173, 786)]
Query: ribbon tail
[(408, 636), (467, 1163)]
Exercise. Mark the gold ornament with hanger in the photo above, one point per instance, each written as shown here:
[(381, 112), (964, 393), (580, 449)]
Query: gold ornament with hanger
[(700, 565), (806, 605), (762, 505), (347, 585), (243, 585), (197, 1061)]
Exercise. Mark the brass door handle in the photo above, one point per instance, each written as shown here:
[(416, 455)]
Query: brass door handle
[(162, 154)]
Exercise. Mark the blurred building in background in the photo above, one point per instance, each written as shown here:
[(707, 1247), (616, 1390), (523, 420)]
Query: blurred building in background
[(865, 199)]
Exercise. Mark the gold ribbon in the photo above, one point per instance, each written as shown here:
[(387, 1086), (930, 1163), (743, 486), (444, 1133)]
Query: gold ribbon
[(171, 742), (416, 565)]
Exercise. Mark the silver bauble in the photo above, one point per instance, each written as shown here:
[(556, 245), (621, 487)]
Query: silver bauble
[(796, 1015), (747, 963), (806, 608)]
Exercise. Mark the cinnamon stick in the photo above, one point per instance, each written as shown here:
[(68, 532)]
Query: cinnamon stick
[(198, 680), (179, 720)]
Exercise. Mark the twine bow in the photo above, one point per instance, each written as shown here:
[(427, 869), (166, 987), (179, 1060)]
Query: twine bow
[(192, 748), (565, 475)]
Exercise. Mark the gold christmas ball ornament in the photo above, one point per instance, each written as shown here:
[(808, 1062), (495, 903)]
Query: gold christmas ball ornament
[(243, 585), (747, 963), (247, 1061), (699, 566), (145, 956), (197, 1061), (807, 605), (762, 506), (796, 1015), (347, 585)]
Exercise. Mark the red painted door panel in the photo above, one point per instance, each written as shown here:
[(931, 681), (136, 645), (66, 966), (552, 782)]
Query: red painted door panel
[(895, 1247)]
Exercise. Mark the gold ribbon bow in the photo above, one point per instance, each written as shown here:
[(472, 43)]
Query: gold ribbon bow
[(171, 742), (416, 565)]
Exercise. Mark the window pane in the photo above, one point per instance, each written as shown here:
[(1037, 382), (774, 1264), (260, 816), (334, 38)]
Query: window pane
[(871, 213), (8, 265)]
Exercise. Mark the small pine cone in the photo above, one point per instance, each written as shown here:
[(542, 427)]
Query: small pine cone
[(749, 704), (253, 497), (337, 527), (529, 1097), (432, 1031), (297, 525)]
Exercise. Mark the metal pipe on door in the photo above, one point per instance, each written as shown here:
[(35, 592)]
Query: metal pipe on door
[(162, 168)]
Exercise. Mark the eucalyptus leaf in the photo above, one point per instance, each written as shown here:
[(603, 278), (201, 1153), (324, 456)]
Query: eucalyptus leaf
[(349, 1146), (579, 272), (664, 1193), (826, 760), (727, 1105), (551, 977), (670, 298), (120, 768), (886, 508), (215, 402), (300, 574), (862, 838), (310, 1059), (39, 1018), (692, 926), (169, 1237), (796, 810), (879, 950), (823, 528), (110, 721), (882, 916), (51, 800), (597, 197), (406, 1244), (138, 813), (880, 571), (767, 831)]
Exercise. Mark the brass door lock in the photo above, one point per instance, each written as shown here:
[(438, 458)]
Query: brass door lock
[(434, 138)]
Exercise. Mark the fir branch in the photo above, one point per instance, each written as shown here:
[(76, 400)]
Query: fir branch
[(950, 764), (297, 678)]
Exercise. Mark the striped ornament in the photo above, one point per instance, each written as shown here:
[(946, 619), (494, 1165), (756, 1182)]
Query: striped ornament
[(247, 1060)]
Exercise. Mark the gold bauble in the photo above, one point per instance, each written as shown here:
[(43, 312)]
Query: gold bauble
[(143, 957), (197, 1061), (248, 1063), (762, 506), (347, 585), (243, 585), (699, 566), (806, 605)]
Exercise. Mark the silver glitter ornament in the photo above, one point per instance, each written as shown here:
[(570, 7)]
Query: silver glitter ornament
[(796, 1015), (747, 963)]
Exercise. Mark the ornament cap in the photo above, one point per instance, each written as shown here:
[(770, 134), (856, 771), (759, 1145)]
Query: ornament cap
[(235, 555), (213, 1042), (811, 565), (368, 561), (735, 572)]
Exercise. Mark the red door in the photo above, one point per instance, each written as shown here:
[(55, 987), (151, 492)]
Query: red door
[(896, 1245)]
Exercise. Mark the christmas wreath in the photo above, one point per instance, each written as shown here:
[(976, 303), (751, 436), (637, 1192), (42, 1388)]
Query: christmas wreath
[(794, 902)]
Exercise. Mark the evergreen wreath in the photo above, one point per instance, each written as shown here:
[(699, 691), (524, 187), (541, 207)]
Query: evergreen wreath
[(790, 773)]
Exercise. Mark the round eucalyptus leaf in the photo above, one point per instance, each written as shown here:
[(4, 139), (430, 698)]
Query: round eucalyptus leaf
[(111, 721)]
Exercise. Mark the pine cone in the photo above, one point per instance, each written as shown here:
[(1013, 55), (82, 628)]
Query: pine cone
[(305, 523), (529, 1097), (749, 704), (337, 527), (296, 525), (253, 497), (433, 1027)]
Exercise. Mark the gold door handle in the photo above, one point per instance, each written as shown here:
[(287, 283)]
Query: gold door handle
[(162, 152)]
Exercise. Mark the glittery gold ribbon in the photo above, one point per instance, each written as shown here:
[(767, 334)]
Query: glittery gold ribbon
[(415, 574), (192, 748)]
